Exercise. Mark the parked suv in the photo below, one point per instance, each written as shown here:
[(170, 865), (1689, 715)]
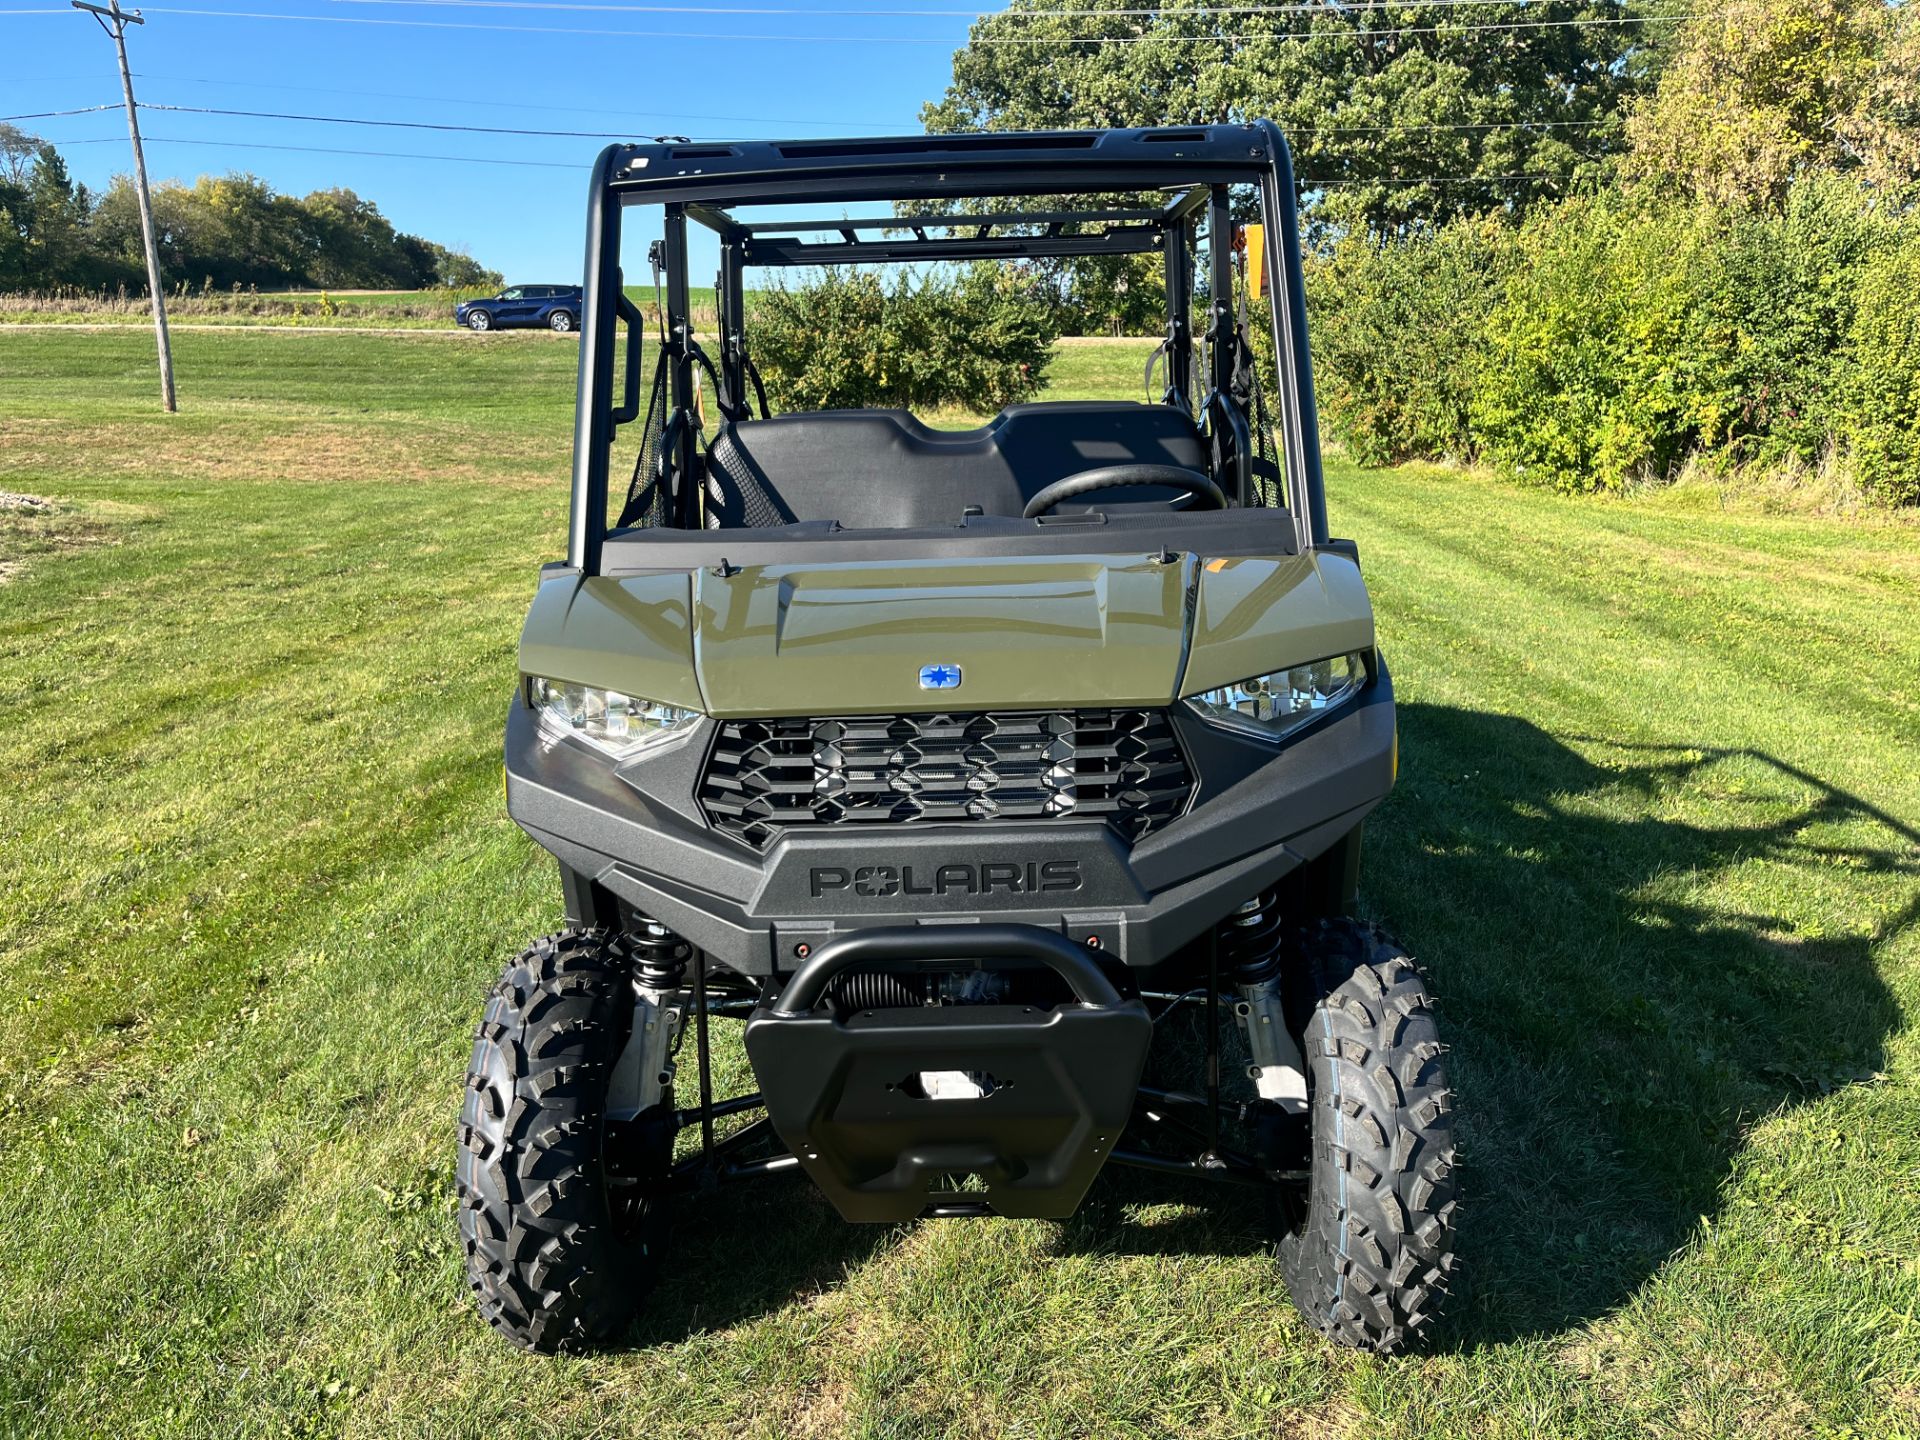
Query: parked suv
[(555, 306)]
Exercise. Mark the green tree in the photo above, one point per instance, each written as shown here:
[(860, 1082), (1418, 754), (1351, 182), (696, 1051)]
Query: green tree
[(13, 235), (1761, 92), (1382, 120), (351, 243), (55, 240), (237, 230), (457, 270), (18, 151)]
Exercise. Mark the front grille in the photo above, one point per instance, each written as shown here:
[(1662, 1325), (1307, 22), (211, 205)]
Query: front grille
[(1122, 767)]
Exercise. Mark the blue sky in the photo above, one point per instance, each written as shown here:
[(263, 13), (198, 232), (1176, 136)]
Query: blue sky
[(796, 70)]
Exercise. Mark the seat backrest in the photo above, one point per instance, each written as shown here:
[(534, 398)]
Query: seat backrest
[(884, 469)]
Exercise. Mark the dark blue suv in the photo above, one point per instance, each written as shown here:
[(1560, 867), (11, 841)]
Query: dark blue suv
[(557, 307)]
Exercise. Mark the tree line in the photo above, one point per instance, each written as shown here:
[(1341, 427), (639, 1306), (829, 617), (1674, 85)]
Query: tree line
[(228, 231), (1587, 244)]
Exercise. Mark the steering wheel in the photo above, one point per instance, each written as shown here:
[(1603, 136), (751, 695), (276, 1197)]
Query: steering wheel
[(1115, 477)]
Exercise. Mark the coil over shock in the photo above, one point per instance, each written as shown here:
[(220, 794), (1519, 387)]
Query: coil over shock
[(644, 1073), (1250, 945), (660, 956), (1250, 940)]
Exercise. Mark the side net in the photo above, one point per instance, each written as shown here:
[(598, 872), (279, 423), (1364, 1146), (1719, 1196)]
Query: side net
[(647, 492)]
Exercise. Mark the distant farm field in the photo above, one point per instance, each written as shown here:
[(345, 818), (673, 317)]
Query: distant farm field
[(1656, 837), (315, 309)]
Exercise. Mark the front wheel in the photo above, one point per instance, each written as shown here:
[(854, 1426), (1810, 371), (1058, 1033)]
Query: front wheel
[(479, 320), (560, 322), (1368, 1262), (563, 1215)]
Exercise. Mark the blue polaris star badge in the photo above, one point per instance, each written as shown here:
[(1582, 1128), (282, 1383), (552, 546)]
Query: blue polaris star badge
[(939, 677)]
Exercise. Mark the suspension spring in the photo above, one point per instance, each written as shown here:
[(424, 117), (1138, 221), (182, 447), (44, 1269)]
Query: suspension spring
[(1250, 940), (660, 956)]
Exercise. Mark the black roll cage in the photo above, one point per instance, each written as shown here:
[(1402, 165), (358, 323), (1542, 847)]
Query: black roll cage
[(1196, 166)]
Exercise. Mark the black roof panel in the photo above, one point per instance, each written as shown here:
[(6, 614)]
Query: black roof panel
[(937, 166)]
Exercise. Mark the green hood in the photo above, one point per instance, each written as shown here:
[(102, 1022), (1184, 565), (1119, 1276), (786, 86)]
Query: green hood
[(1024, 632)]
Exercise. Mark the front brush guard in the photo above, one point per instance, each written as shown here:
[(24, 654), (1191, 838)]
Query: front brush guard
[(841, 1091)]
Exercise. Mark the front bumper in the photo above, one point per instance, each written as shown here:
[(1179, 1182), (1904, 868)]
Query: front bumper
[(1060, 1081), (1259, 811)]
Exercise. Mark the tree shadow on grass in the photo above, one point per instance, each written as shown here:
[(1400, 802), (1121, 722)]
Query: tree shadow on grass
[(1639, 951)]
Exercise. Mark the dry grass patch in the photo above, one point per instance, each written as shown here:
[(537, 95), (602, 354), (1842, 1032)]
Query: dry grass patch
[(34, 527), (317, 452)]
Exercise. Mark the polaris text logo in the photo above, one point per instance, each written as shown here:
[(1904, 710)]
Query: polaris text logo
[(939, 677), (881, 882)]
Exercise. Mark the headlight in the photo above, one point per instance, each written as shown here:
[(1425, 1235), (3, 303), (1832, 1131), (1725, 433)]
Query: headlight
[(619, 724), (1271, 705)]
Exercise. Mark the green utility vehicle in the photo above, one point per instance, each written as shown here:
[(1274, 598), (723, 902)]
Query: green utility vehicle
[(953, 763)]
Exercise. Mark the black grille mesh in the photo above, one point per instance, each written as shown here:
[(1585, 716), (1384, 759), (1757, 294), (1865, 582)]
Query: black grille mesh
[(1122, 767)]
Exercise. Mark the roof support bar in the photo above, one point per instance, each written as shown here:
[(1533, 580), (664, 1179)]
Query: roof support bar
[(1219, 291), (593, 402), (906, 222), (784, 250), (1185, 205), (1299, 431), (715, 219), (1179, 344), (679, 339), (732, 304)]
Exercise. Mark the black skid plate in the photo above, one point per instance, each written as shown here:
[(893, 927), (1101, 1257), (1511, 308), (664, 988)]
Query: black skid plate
[(860, 1098), (847, 1098)]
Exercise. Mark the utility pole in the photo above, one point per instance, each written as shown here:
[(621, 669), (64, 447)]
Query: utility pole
[(114, 21)]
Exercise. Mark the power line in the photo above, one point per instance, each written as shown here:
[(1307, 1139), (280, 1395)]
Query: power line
[(734, 36), (738, 37), (1426, 128), (376, 154), (1381, 34), (777, 120), (1288, 7), (392, 124), (1307, 183), (49, 114), (1446, 125), (518, 105)]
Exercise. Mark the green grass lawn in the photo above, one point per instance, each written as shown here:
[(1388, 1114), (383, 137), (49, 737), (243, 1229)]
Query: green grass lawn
[(1657, 837)]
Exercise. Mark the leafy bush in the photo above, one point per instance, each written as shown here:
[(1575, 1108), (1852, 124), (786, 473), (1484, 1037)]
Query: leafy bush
[(1881, 419), (1399, 338), (1636, 333), (980, 340), (1603, 365), (1780, 297)]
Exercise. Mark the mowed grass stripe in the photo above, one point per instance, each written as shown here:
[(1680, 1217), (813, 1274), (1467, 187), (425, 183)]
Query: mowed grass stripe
[(1632, 838)]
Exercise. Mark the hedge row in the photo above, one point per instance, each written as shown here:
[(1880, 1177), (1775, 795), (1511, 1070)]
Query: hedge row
[(1608, 338), (980, 340)]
